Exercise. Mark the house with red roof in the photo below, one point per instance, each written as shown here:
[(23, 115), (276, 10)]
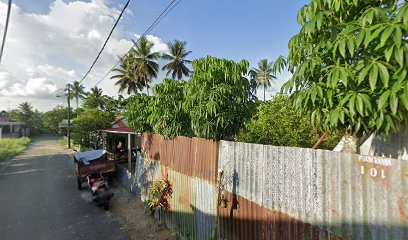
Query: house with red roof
[(120, 132)]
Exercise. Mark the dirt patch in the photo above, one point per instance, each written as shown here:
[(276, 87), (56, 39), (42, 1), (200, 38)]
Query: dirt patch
[(134, 218)]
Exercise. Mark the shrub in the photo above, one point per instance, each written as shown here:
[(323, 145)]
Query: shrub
[(277, 123), (10, 147)]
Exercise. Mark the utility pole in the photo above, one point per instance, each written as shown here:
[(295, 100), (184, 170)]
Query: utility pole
[(69, 116)]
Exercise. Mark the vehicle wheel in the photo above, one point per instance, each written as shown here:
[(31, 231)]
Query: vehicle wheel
[(79, 184)]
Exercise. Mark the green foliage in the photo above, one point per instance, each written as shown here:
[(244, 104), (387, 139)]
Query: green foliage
[(167, 115), (77, 92), (263, 75), (52, 118), (145, 61), (160, 192), (10, 147), (86, 124), (63, 141), (126, 76), (32, 118), (95, 99), (349, 64), (138, 112), (277, 123), (115, 106), (217, 97), (138, 67), (177, 57)]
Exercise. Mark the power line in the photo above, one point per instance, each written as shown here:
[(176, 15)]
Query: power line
[(5, 29), (106, 41), (163, 14)]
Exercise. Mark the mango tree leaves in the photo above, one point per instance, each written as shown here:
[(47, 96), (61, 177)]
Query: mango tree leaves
[(349, 64), (217, 97)]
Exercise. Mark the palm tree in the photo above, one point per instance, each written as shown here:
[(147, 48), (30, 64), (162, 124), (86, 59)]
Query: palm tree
[(127, 78), (77, 91), (177, 65), (96, 98), (263, 74), (144, 60)]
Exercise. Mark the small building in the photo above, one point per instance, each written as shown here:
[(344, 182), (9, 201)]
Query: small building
[(121, 132), (63, 127), (12, 129)]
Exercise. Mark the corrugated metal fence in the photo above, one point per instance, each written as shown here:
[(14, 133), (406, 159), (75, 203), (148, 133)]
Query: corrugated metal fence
[(325, 193), (275, 192)]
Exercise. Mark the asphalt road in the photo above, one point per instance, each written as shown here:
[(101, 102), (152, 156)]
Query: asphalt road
[(39, 199)]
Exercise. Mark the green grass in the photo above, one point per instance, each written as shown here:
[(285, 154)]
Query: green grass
[(9, 147), (77, 147)]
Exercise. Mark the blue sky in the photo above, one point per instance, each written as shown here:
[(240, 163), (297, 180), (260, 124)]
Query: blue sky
[(235, 30)]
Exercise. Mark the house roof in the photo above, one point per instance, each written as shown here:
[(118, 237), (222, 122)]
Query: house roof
[(121, 122), (119, 126), (2, 123), (118, 130)]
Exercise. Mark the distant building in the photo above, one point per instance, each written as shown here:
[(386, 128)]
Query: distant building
[(63, 127), (12, 129)]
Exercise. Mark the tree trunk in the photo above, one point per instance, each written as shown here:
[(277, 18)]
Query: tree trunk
[(147, 87), (264, 92)]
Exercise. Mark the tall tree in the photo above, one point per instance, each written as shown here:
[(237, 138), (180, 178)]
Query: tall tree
[(145, 61), (32, 118), (25, 113), (349, 64), (126, 75), (218, 97), (263, 74), (138, 112), (167, 115), (177, 60), (52, 118), (95, 98), (77, 92)]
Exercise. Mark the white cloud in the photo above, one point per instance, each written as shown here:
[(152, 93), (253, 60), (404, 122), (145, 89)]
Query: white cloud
[(44, 52), (33, 87), (159, 45)]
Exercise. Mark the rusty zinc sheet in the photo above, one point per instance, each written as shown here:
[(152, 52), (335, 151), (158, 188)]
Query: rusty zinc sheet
[(196, 157), (205, 155), (151, 146), (244, 219), (349, 195)]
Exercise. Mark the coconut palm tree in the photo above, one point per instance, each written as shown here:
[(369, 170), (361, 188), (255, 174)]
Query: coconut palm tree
[(145, 61), (95, 98), (127, 78), (177, 57), (77, 91), (263, 74)]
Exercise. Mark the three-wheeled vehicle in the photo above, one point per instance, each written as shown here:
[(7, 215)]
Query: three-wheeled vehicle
[(96, 168)]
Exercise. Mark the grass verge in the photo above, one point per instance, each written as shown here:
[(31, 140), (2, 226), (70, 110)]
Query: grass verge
[(77, 147), (9, 147)]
